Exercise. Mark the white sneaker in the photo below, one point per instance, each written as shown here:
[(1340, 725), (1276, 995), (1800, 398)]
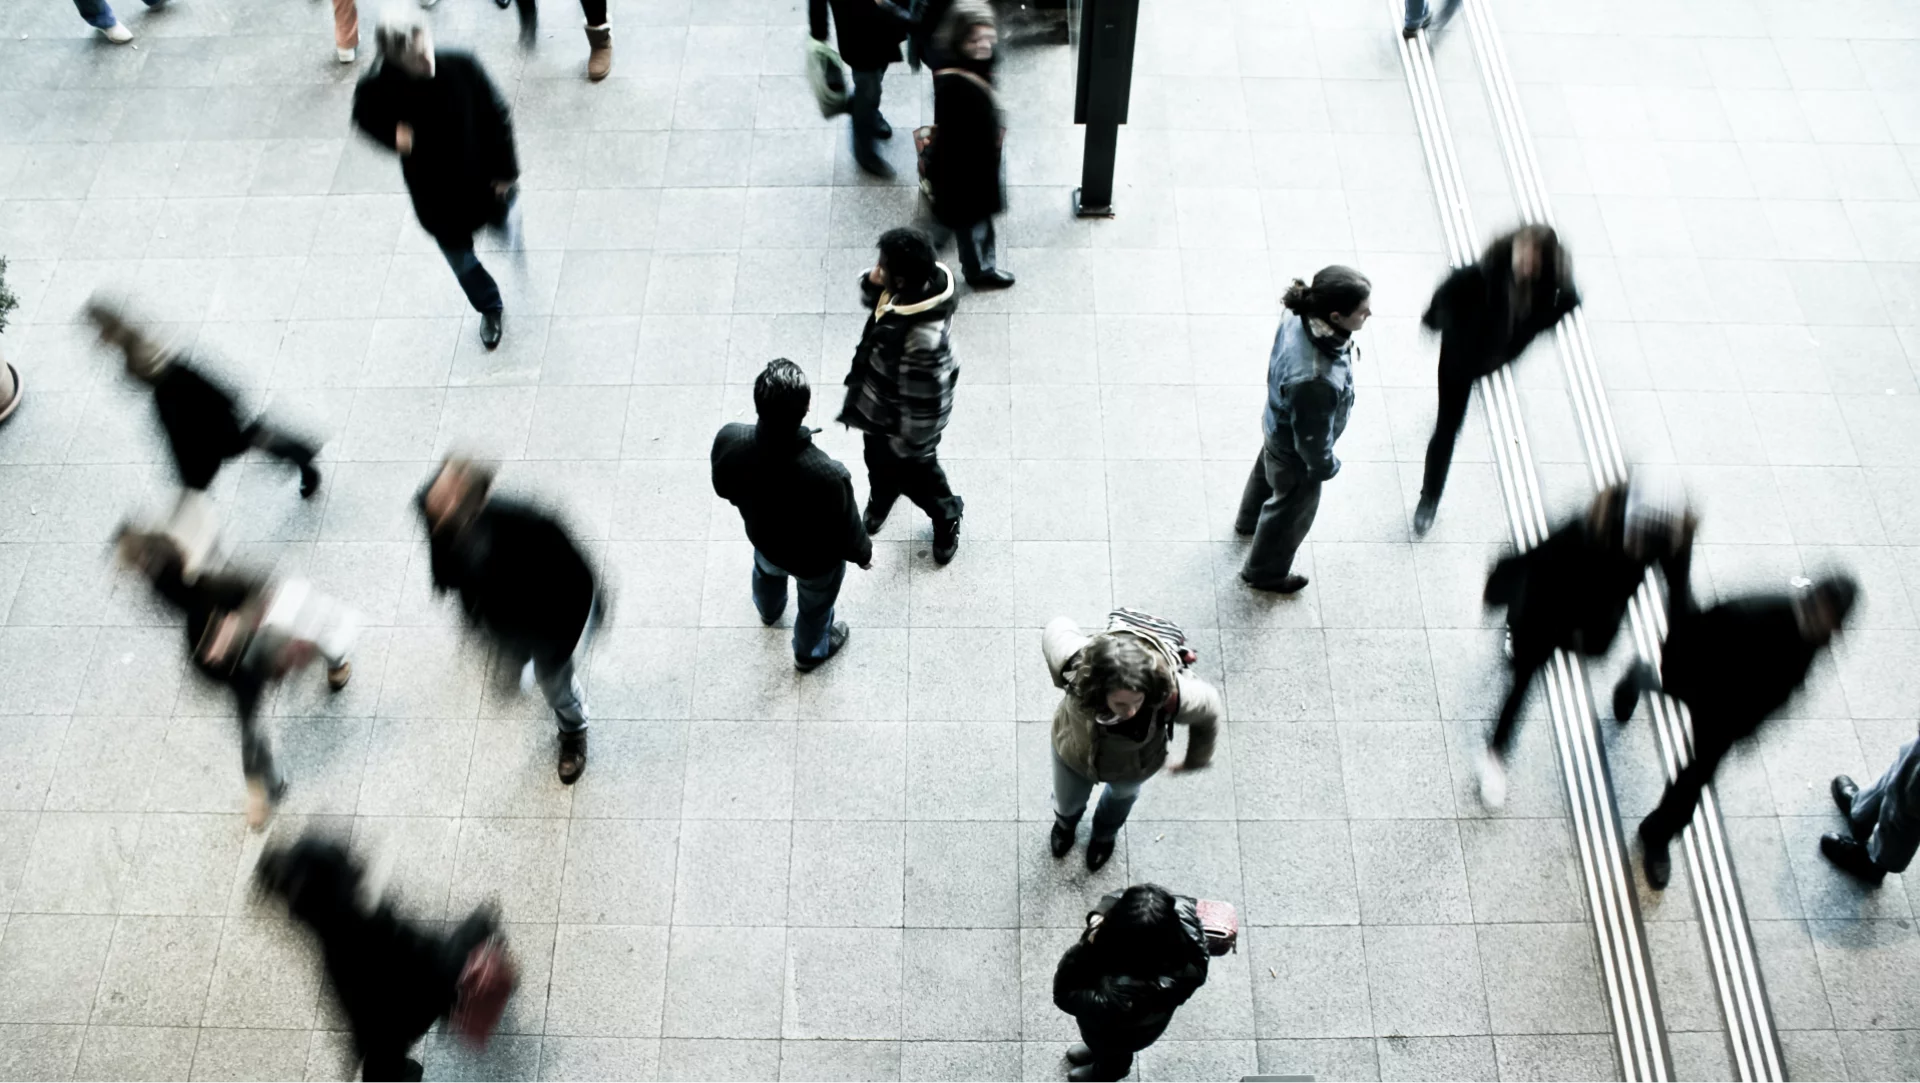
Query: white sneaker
[(1493, 780), (345, 55), (118, 34)]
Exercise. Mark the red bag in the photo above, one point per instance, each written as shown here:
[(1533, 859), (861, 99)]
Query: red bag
[(1221, 923), (488, 979)]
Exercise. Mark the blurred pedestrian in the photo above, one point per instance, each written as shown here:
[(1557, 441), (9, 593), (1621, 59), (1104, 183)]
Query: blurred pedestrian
[(1309, 394), (1487, 313), (963, 161), (522, 579), (1733, 665), (450, 127), (1421, 17), (900, 389), (393, 978), (869, 33), (1570, 593), (200, 417), (799, 509), (1126, 688), (1883, 821), (1137, 962), (99, 15), (246, 633)]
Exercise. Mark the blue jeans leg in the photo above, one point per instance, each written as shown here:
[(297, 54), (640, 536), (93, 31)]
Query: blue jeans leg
[(769, 589), (1416, 13), (865, 111), (97, 13), (813, 621), (481, 290)]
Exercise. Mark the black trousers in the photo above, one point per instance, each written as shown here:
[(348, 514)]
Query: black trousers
[(281, 445), (1456, 391), (1527, 661), (1712, 738), (919, 478)]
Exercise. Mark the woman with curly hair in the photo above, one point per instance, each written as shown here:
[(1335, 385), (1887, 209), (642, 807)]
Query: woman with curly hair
[(1126, 688)]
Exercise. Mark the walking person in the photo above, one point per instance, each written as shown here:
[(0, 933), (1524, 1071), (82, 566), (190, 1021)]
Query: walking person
[(599, 32), (246, 633), (963, 161), (99, 15), (1135, 964), (522, 579), (900, 389), (1487, 313), (869, 33), (1309, 394), (1570, 593), (799, 509), (441, 114), (1733, 665), (1126, 688), (1883, 821), (199, 416)]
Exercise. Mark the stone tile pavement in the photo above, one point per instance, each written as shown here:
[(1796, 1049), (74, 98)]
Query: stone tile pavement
[(843, 875)]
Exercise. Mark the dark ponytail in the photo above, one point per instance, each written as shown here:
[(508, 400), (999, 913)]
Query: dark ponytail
[(1335, 289)]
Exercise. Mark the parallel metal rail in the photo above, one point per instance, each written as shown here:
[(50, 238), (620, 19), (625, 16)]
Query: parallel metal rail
[(1751, 1035), (1625, 971)]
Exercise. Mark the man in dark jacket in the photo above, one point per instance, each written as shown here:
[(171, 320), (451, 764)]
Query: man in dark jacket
[(1733, 665), (963, 162), (869, 33), (200, 419), (442, 115), (799, 510), (1487, 314), (1143, 955), (900, 389), (522, 579), (1570, 593)]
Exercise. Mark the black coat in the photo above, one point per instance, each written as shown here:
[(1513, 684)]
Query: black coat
[(868, 34), (1119, 1012), (1734, 663), (1570, 591), (519, 576), (202, 602), (202, 427), (1473, 312), (797, 501), (462, 141), (963, 167)]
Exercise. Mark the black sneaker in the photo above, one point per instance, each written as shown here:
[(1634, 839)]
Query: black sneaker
[(946, 539), (490, 329), (836, 639)]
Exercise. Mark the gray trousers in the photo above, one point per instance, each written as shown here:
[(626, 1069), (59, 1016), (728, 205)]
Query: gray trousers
[(1884, 817), (1277, 507), (1071, 789)]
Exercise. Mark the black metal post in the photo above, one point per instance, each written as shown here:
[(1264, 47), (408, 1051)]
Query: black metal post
[(1103, 86)]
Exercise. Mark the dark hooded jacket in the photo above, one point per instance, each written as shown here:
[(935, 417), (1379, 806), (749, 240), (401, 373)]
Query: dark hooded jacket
[(797, 501), (1120, 1011), (519, 576), (903, 376), (868, 33), (203, 428), (462, 141), (963, 163), (1474, 312)]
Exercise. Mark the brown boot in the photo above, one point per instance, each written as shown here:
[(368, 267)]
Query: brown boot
[(600, 60)]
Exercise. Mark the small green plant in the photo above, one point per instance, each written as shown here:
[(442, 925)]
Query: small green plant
[(8, 302)]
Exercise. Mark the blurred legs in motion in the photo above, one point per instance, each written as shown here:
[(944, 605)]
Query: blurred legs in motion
[(346, 29)]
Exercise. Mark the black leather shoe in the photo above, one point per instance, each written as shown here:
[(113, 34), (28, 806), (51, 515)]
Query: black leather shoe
[(490, 329), (1851, 857), (573, 757), (1098, 851), (946, 539), (1659, 859), (1078, 1054), (1423, 517), (836, 639), (1292, 584), (1061, 840), (874, 165), (1844, 791), (995, 279), (309, 482)]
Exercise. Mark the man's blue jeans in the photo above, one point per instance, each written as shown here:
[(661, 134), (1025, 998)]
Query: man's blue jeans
[(99, 14), (481, 290), (814, 620)]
